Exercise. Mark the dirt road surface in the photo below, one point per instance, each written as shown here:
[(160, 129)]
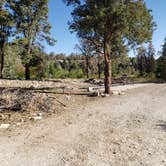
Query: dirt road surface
[(126, 130)]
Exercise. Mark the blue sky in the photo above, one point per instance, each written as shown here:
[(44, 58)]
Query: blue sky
[(59, 15)]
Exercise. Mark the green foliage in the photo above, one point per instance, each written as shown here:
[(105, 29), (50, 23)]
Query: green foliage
[(76, 74), (161, 64), (141, 60), (117, 20), (146, 60), (31, 19), (13, 67), (6, 24), (38, 63), (151, 65), (113, 23), (105, 28)]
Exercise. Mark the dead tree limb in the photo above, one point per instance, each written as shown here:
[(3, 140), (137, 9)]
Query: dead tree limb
[(59, 101)]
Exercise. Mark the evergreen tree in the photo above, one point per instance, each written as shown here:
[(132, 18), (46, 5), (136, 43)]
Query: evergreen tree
[(5, 31), (87, 49), (161, 63), (150, 59), (31, 18), (114, 23), (142, 60)]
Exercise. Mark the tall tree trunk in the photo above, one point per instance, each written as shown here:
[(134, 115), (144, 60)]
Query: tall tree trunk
[(99, 71), (107, 70), (27, 66), (27, 72), (99, 66), (87, 66), (2, 60)]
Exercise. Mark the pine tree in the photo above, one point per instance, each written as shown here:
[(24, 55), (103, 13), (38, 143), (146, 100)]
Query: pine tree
[(142, 60), (31, 18), (5, 31), (114, 23), (150, 59), (87, 49), (161, 63)]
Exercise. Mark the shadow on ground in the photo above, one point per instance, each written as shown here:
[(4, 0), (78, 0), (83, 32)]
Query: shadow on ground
[(162, 125)]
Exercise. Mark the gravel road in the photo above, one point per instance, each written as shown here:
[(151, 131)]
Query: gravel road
[(125, 130)]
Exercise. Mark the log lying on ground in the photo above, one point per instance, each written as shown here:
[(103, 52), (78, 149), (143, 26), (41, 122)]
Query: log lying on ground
[(12, 108), (97, 88), (95, 81), (118, 80)]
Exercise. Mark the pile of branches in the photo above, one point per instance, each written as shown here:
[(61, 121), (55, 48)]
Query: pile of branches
[(18, 99)]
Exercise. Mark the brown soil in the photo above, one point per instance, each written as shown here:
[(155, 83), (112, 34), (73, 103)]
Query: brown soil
[(125, 130)]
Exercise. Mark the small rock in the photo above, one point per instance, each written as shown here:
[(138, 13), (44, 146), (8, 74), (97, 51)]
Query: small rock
[(107, 95), (39, 114), (18, 124), (115, 92), (121, 93), (90, 89), (104, 95), (2, 117), (118, 93), (9, 116), (21, 120), (68, 97), (36, 118), (4, 126), (114, 152)]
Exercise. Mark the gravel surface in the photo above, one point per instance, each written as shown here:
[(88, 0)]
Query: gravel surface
[(121, 130)]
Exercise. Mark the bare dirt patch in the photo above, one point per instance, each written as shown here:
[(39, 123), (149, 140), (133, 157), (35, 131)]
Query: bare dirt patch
[(24, 101), (119, 130)]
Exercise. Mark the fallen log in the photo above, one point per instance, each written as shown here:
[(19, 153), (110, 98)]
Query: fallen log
[(12, 108), (60, 102), (97, 88)]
